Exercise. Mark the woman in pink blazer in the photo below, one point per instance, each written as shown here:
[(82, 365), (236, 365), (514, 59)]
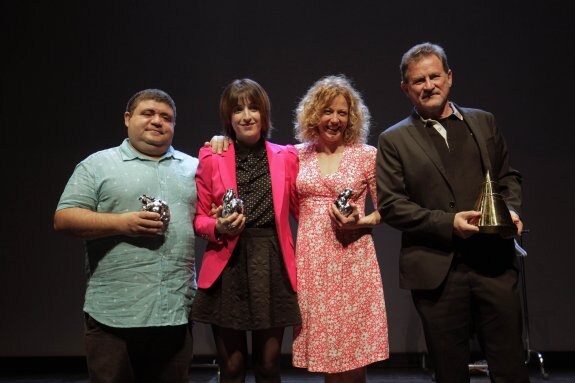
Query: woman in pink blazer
[(247, 280)]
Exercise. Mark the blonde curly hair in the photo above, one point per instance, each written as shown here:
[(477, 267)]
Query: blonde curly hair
[(310, 109)]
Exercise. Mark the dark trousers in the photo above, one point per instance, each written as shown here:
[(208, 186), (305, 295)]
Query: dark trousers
[(466, 301), (137, 355)]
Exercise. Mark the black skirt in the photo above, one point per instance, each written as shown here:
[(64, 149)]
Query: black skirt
[(253, 292)]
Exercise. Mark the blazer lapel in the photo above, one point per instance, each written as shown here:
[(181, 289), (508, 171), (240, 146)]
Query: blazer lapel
[(418, 132), (474, 126), (276, 161), (227, 168)]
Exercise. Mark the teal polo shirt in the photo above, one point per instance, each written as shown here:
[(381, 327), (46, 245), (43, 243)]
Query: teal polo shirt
[(137, 281)]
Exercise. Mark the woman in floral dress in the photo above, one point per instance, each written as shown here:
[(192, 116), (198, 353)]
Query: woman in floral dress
[(340, 291)]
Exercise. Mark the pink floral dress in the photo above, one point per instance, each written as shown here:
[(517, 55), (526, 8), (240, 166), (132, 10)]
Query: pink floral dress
[(340, 292)]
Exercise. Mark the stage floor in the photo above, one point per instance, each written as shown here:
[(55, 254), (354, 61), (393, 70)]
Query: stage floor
[(291, 375), (558, 367)]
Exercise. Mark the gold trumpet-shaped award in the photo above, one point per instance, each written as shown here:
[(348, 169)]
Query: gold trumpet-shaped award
[(495, 218)]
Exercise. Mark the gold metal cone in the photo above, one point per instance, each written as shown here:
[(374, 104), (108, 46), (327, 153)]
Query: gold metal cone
[(495, 218)]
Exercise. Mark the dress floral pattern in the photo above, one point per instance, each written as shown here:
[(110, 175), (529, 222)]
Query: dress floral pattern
[(340, 291)]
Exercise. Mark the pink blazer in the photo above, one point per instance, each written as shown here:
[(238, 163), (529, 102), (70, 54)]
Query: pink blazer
[(216, 173)]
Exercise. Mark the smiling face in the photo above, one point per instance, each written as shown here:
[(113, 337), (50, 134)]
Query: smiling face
[(245, 111), (246, 122), (150, 127), (427, 86), (333, 121)]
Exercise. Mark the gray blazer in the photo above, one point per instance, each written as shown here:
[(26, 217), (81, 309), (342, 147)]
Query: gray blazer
[(416, 196)]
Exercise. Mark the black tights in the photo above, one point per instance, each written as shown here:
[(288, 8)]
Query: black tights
[(231, 346)]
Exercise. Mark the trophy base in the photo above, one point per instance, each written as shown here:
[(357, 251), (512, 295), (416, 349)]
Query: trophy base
[(504, 231)]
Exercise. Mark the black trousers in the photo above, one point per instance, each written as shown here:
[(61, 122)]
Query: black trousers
[(469, 300), (136, 355)]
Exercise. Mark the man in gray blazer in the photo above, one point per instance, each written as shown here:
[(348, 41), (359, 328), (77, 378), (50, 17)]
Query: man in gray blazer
[(430, 171)]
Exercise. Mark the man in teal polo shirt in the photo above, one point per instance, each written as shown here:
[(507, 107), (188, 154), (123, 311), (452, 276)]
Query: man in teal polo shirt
[(140, 263)]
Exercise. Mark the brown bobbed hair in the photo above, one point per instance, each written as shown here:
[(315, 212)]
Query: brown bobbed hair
[(245, 92)]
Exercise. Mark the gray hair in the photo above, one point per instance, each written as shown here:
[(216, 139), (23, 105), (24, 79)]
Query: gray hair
[(419, 51)]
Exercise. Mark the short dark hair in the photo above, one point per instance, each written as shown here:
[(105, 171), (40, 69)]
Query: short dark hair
[(150, 94)]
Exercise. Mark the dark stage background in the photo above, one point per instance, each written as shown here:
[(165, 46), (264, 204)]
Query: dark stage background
[(69, 68)]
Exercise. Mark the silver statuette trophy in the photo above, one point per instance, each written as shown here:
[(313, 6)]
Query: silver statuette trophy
[(342, 201), (156, 205), (232, 204)]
